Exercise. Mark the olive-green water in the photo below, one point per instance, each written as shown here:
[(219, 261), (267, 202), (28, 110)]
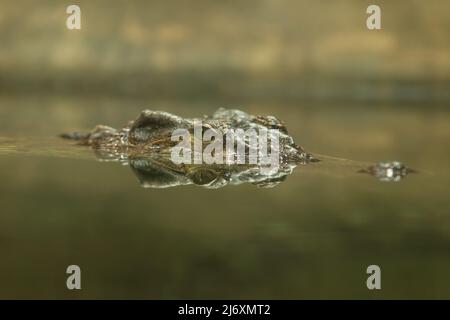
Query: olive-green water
[(312, 236)]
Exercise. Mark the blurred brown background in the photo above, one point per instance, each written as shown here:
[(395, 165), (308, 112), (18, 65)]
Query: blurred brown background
[(284, 49)]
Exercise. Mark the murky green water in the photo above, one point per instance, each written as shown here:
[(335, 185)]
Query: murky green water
[(313, 236)]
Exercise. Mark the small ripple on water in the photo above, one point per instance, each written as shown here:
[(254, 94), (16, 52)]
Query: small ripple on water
[(48, 147)]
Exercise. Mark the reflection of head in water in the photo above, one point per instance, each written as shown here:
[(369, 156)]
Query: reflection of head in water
[(154, 174)]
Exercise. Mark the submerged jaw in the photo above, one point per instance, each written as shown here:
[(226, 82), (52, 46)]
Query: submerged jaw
[(295, 155), (310, 158)]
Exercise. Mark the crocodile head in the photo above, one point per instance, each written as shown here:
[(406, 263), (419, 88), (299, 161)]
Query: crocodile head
[(147, 146)]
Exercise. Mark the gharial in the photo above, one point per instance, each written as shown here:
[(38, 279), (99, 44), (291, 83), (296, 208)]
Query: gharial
[(145, 145)]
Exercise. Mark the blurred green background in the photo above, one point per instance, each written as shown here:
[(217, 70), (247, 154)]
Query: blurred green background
[(342, 90)]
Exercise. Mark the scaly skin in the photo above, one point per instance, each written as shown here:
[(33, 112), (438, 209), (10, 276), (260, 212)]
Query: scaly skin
[(145, 144)]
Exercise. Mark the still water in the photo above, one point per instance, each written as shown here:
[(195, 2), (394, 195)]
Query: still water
[(312, 236)]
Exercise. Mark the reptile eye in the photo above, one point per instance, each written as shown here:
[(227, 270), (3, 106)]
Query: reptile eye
[(203, 177)]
